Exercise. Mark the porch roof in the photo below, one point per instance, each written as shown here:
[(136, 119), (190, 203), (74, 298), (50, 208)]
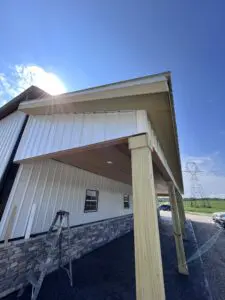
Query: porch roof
[(151, 93)]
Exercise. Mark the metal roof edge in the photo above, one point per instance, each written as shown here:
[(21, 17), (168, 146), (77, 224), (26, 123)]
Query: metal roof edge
[(98, 88), (173, 113), (13, 104)]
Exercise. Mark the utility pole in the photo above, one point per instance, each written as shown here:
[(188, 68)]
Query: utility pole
[(196, 187)]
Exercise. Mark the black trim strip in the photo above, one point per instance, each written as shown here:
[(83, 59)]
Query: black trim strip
[(9, 169)]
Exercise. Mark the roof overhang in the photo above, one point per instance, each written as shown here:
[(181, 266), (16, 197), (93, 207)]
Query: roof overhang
[(33, 92), (150, 93)]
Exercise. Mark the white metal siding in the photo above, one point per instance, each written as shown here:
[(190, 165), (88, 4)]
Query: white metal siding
[(53, 133), (10, 128), (54, 186)]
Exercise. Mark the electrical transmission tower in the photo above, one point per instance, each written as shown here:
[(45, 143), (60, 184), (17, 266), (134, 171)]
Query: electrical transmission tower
[(196, 187)]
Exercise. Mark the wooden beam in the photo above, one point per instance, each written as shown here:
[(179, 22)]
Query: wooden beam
[(159, 156), (180, 205), (181, 258), (148, 260)]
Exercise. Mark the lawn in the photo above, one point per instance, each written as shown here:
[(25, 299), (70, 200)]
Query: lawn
[(216, 206)]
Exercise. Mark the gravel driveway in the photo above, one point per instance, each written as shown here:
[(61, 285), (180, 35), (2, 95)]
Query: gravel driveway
[(214, 258)]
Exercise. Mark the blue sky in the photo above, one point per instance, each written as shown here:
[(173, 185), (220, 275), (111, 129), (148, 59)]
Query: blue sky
[(87, 43)]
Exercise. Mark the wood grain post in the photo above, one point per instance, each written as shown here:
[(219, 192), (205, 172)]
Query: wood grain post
[(148, 260), (181, 258), (181, 211)]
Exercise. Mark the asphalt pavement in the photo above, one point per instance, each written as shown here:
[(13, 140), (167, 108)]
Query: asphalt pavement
[(108, 273), (214, 257)]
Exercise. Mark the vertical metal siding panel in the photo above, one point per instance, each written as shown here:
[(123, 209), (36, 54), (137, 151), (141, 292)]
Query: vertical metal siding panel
[(120, 124), (43, 137), (7, 129), (77, 197), (67, 131), (49, 200), (35, 186), (78, 121), (47, 134), (111, 127), (63, 184), (98, 125), (24, 139), (41, 189), (45, 198), (29, 137), (60, 134), (35, 138), (128, 119), (54, 195), (10, 128), (87, 135), (51, 144), (21, 195), (58, 188), (4, 129), (52, 133), (10, 203), (82, 194), (53, 186), (40, 134), (74, 203), (68, 199), (66, 188), (26, 204)]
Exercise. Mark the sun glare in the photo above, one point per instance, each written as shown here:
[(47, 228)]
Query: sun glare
[(47, 81)]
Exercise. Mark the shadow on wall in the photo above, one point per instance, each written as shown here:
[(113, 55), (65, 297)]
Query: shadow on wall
[(7, 186)]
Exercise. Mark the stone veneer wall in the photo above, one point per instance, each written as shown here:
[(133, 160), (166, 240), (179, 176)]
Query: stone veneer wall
[(18, 257)]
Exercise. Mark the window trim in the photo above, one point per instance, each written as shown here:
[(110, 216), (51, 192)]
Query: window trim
[(91, 200)]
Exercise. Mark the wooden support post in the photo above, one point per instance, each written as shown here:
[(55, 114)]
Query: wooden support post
[(181, 259), (181, 211), (148, 260)]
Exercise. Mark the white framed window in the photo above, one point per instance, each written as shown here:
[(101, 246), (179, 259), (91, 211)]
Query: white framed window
[(91, 201), (126, 201)]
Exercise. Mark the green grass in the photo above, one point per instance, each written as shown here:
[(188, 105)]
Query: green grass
[(216, 205)]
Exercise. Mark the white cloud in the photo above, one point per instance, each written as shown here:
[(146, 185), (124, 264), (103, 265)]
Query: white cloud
[(22, 76), (210, 176)]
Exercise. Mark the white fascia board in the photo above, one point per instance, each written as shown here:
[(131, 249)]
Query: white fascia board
[(146, 85)]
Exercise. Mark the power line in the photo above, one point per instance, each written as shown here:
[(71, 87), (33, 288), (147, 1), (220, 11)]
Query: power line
[(196, 187)]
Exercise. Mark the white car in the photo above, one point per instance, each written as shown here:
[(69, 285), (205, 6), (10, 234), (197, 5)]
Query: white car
[(219, 217)]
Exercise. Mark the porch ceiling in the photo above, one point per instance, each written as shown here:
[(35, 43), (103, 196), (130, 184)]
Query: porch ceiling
[(112, 161)]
